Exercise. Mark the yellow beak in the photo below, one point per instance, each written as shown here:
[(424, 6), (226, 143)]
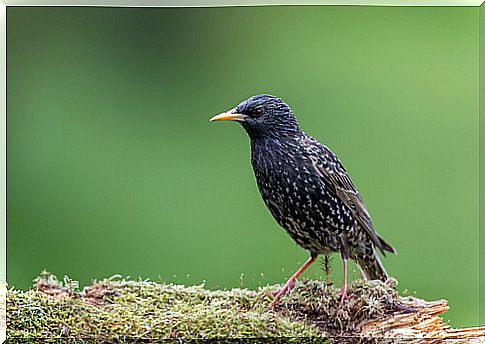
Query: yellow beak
[(230, 115)]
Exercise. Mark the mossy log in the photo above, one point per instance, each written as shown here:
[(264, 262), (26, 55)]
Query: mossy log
[(122, 310)]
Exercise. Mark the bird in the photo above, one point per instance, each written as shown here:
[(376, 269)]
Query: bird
[(307, 190)]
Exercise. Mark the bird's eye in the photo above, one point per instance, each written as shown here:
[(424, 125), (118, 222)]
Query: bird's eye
[(256, 113)]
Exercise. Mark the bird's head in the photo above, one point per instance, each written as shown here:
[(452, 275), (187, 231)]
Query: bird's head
[(263, 115)]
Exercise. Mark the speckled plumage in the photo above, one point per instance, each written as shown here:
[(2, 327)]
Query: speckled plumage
[(306, 188), (297, 177)]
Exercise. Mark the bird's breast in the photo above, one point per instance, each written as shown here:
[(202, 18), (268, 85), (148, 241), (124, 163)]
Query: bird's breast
[(297, 196), (287, 185)]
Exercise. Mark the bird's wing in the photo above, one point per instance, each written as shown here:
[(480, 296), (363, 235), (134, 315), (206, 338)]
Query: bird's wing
[(338, 181)]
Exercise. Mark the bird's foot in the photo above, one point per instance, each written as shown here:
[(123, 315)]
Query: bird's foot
[(343, 295), (286, 288), (278, 294)]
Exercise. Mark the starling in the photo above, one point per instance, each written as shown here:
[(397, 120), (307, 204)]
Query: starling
[(307, 189)]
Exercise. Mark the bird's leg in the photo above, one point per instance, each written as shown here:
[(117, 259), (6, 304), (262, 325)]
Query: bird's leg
[(344, 251), (326, 268), (343, 292), (291, 282)]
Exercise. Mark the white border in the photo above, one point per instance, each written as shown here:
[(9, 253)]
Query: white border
[(3, 311), (132, 3)]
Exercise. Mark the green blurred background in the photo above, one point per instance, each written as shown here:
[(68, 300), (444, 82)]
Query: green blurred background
[(114, 168)]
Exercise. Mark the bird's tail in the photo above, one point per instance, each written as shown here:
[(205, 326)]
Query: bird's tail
[(371, 267)]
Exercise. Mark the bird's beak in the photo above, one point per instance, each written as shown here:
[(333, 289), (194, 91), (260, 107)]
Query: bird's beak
[(230, 115)]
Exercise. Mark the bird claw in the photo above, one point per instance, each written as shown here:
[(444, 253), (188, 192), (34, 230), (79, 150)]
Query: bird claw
[(278, 294), (343, 295)]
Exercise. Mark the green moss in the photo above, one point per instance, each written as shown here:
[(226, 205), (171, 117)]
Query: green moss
[(117, 309)]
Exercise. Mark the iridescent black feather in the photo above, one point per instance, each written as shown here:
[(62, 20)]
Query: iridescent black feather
[(307, 189)]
